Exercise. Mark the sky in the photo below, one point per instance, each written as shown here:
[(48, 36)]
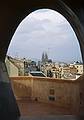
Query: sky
[(45, 30)]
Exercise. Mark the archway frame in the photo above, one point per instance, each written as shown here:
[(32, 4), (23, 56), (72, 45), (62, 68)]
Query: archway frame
[(19, 12), (64, 10)]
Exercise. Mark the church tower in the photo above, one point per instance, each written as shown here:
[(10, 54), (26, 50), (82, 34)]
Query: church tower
[(44, 57)]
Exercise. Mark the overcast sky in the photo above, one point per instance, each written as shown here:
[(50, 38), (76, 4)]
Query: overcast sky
[(45, 30)]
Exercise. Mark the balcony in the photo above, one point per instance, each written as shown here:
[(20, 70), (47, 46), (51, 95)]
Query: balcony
[(39, 96)]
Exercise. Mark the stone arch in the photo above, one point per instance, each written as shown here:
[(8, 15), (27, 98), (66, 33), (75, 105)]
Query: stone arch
[(13, 13), (64, 10)]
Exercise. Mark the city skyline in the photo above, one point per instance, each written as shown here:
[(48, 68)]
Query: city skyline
[(45, 30)]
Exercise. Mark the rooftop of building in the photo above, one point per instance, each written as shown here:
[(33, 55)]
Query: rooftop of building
[(37, 73)]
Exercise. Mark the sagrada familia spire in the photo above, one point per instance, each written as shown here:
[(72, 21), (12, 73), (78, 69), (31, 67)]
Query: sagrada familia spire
[(44, 57)]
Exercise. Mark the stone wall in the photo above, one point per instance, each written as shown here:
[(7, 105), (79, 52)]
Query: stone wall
[(81, 93), (62, 93), (22, 87)]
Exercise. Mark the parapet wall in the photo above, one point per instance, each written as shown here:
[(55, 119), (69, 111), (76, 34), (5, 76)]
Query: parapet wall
[(62, 93)]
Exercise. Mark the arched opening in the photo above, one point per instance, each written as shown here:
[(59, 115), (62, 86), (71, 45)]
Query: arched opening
[(17, 12), (46, 30), (54, 38)]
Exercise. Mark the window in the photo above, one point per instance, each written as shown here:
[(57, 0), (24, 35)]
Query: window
[(51, 98), (52, 91)]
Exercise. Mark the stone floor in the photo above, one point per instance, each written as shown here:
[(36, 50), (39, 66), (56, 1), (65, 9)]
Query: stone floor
[(57, 117), (33, 108)]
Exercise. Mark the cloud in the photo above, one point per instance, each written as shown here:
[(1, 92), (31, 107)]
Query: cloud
[(45, 30), (48, 14)]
